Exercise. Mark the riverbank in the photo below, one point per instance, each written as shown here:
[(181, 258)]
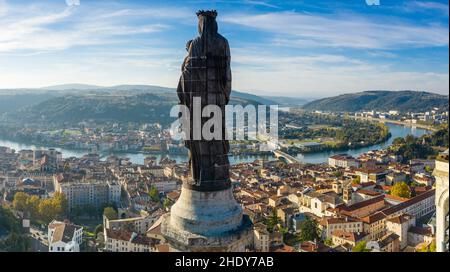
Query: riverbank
[(336, 148), (320, 157)]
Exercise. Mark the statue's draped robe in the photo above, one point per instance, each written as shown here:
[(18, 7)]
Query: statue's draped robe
[(206, 74)]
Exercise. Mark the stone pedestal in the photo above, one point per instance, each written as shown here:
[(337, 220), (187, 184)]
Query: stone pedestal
[(441, 173), (207, 222)]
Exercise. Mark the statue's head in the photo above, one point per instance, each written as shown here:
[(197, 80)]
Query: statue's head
[(207, 23)]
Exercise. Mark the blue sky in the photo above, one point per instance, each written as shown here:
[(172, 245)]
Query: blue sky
[(303, 48)]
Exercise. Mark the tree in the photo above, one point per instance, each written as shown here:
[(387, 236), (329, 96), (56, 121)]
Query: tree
[(15, 242), (8, 221), (110, 213), (154, 194), (48, 210), (20, 201), (283, 230), (401, 189), (51, 208), (429, 169), (398, 141), (357, 180), (432, 247), (410, 139), (272, 221), (167, 203), (61, 203), (428, 248), (98, 229), (33, 206), (309, 230), (361, 247), (413, 148), (440, 137)]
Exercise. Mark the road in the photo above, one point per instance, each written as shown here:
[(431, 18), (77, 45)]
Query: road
[(39, 240)]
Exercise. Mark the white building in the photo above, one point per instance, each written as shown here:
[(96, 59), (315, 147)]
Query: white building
[(343, 161), (400, 226), (442, 182), (346, 224), (318, 204), (126, 241), (139, 224), (261, 238), (165, 185), (80, 191), (64, 237)]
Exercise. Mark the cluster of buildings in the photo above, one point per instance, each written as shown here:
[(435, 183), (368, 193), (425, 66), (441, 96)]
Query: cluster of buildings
[(435, 116), (349, 199), (99, 138), (346, 212)]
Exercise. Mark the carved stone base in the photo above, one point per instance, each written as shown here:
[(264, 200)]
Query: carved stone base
[(207, 222), (183, 241)]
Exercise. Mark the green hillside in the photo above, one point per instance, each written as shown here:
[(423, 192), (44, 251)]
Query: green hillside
[(406, 101)]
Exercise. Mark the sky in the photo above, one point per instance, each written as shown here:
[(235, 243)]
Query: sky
[(298, 48)]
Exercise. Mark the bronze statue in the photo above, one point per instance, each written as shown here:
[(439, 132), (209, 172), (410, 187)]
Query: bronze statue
[(206, 75)]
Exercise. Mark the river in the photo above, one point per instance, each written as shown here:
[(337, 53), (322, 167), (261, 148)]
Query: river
[(321, 157)]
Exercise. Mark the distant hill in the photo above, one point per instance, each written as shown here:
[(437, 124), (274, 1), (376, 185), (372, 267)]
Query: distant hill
[(260, 99), (288, 101), (142, 108), (74, 86), (125, 103), (12, 102), (381, 100), (84, 89)]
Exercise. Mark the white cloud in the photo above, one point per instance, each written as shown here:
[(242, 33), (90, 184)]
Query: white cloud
[(31, 38), (73, 2), (349, 31), (36, 30), (159, 13), (435, 6), (324, 75), (261, 3)]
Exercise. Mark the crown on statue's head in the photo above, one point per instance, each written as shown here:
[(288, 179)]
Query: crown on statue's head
[(210, 13)]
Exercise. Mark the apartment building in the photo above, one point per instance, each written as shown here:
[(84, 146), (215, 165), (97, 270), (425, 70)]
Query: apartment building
[(346, 224), (80, 191), (126, 241), (343, 161)]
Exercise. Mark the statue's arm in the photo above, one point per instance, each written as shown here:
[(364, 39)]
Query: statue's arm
[(180, 88), (180, 91)]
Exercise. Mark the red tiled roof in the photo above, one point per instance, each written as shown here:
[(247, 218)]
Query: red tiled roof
[(400, 219), (409, 202), (349, 236), (363, 204), (124, 235), (421, 231)]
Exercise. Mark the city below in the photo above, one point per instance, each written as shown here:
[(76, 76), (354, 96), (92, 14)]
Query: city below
[(231, 135), (383, 199)]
